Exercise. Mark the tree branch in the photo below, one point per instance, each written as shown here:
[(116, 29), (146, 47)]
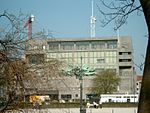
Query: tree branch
[(118, 12)]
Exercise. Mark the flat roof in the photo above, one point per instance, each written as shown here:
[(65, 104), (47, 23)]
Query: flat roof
[(80, 39)]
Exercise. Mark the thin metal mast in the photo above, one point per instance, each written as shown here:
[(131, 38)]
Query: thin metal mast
[(93, 22), (29, 25), (118, 37)]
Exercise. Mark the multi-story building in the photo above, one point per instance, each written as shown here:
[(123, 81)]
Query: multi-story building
[(99, 53)]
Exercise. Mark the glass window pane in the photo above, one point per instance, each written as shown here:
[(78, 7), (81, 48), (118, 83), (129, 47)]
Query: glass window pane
[(82, 45), (112, 44), (66, 45), (53, 46)]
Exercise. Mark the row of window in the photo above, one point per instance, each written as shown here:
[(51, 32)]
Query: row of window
[(34, 59), (82, 45), (83, 54)]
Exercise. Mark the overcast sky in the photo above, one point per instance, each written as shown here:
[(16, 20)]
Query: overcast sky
[(71, 18)]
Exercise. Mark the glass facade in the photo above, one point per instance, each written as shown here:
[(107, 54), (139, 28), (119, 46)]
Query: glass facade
[(53, 46), (66, 46), (82, 45), (111, 57), (95, 53), (111, 44), (98, 45), (102, 59)]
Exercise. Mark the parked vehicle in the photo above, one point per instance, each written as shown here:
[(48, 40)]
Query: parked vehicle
[(105, 98)]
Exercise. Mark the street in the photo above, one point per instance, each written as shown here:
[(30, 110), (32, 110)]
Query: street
[(77, 110)]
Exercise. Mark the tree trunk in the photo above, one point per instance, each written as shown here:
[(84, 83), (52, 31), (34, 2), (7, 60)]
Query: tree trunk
[(144, 102)]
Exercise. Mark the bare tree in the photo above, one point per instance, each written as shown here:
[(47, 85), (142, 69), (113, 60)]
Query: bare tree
[(24, 68), (13, 67), (119, 11), (15, 79)]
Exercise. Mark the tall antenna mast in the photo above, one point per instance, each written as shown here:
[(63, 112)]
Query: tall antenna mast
[(93, 22), (118, 37), (29, 25)]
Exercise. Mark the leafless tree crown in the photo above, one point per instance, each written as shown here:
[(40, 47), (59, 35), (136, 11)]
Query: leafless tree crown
[(117, 11)]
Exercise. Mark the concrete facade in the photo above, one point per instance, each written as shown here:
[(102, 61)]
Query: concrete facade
[(99, 53)]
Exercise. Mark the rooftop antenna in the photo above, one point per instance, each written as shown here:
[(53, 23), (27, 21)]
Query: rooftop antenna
[(93, 22), (118, 37)]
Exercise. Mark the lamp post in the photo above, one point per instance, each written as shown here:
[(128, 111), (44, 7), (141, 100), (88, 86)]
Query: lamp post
[(82, 110)]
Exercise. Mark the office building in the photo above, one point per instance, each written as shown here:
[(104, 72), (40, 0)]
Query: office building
[(99, 53)]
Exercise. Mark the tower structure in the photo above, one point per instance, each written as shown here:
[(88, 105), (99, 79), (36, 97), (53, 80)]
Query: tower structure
[(93, 22), (29, 25)]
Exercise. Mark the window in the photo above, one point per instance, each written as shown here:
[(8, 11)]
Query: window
[(100, 60), (118, 97), (67, 46), (53, 46), (112, 44), (82, 45), (111, 57), (126, 97), (111, 54), (66, 96), (111, 60), (133, 97), (100, 54), (98, 45), (76, 95), (81, 54)]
